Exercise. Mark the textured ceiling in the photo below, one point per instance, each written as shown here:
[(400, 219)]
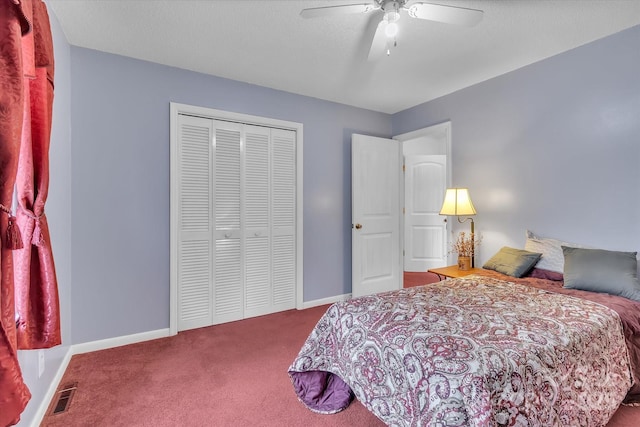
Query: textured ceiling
[(267, 43)]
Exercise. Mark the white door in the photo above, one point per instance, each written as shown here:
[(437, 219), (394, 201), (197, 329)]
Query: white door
[(235, 247), (425, 242), (284, 221), (193, 245), (376, 170), (228, 287)]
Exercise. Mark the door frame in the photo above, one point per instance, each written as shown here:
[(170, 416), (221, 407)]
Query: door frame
[(175, 110), (440, 131)]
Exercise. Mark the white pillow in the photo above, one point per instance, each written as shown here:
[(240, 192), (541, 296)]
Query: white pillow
[(551, 249)]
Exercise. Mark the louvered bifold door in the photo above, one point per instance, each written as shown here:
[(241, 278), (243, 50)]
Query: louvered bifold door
[(283, 213), (195, 243), (228, 298), (257, 243)]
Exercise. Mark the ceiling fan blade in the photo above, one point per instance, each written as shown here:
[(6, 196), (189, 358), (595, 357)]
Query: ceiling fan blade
[(447, 14), (315, 12), (378, 42)]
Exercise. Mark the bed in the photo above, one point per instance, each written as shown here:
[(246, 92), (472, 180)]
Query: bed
[(482, 350)]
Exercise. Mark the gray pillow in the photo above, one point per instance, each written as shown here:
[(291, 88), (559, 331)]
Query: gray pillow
[(512, 262), (598, 270), (551, 249)]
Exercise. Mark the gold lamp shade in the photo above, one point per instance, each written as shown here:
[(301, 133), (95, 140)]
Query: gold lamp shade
[(457, 202)]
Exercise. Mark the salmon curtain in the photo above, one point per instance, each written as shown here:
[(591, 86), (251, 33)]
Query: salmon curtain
[(29, 310), (38, 319)]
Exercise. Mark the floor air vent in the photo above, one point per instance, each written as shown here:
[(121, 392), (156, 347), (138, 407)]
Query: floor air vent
[(64, 398)]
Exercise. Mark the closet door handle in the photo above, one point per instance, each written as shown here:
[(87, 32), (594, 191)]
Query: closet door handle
[(227, 235)]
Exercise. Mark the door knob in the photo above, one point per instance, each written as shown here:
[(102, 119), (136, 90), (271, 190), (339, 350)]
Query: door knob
[(358, 226)]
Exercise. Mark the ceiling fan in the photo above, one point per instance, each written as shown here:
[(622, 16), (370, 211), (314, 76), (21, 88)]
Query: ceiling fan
[(386, 14)]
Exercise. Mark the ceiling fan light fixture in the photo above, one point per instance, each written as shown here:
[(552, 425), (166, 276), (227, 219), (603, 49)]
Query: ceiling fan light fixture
[(383, 33), (391, 16), (391, 30)]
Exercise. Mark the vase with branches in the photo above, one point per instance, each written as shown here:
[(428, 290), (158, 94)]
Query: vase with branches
[(465, 246)]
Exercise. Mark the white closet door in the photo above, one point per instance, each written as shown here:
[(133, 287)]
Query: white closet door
[(256, 221), (194, 222), (228, 298), (283, 212), (235, 220)]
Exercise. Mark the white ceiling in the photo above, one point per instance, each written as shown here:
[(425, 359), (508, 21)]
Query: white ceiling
[(267, 43)]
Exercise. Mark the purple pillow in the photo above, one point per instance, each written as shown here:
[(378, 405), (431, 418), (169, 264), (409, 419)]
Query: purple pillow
[(322, 392), (541, 273)]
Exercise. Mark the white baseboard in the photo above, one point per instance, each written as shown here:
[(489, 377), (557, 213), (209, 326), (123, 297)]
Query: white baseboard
[(86, 348), (324, 301), (119, 341), (51, 391)]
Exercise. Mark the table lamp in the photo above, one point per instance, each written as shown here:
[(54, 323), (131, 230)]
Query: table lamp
[(457, 202)]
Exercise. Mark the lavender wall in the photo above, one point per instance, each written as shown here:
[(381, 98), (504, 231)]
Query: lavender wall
[(120, 188), (553, 147)]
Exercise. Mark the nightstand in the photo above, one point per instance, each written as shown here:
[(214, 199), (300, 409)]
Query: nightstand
[(454, 271)]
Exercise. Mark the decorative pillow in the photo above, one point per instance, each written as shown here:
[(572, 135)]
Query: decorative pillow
[(512, 262), (541, 273), (598, 270), (551, 249)]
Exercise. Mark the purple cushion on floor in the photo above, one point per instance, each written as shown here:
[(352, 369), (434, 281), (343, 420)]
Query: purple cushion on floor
[(321, 391)]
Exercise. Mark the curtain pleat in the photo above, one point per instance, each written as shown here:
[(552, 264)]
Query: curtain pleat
[(14, 394)]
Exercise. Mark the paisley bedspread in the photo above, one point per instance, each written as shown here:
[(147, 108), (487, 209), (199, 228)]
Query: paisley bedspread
[(474, 351)]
